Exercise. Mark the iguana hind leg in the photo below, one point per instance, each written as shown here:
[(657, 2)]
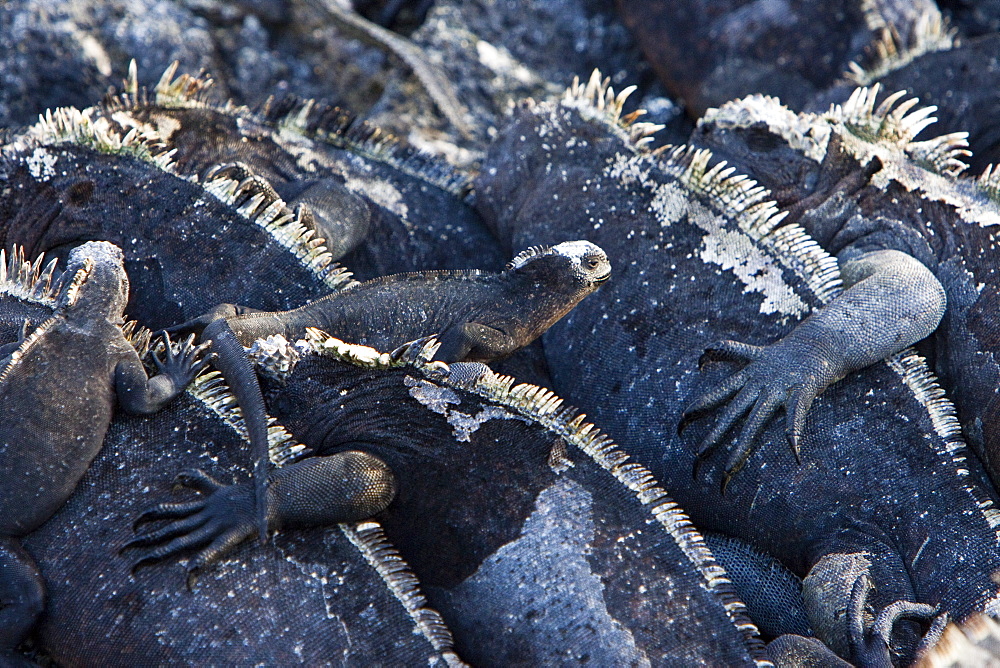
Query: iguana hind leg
[(344, 487)]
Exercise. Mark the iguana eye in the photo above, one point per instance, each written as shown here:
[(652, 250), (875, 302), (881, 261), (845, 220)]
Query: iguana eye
[(593, 263)]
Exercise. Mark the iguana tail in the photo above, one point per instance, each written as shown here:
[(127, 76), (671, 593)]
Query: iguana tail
[(238, 372)]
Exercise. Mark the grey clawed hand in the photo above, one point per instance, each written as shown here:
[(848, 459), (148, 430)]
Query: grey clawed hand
[(185, 364), (212, 525), (783, 375)]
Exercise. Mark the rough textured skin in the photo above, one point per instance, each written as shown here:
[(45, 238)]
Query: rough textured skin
[(477, 316), (535, 538), (59, 387), (391, 208), (859, 191), (308, 597), (702, 261), (59, 192)]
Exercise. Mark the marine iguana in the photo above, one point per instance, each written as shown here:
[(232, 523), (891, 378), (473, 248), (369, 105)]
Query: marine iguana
[(478, 316), (703, 258), (862, 184), (73, 177), (534, 535), (387, 207), (59, 386), (311, 597)]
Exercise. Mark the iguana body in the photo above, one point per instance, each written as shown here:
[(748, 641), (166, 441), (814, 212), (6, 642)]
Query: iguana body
[(883, 495), (59, 388), (478, 316), (862, 184), (534, 535), (387, 207), (315, 597)]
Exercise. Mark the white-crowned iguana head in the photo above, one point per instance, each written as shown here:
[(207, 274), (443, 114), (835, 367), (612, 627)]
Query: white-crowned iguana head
[(96, 281), (585, 262)]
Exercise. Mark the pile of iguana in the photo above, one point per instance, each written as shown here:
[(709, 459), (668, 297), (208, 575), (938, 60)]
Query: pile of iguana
[(343, 594), (478, 316), (60, 383), (883, 511), (381, 207), (864, 186), (537, 538), (584, 558)]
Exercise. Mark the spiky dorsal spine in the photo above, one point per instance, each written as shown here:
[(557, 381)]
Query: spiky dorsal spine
[(69, 125), (264, 208), (930, 32), (989, 182), (211, 391), (29, 281), (597, 99), (896, 126), (341, 129), (521, 258), (371, 541)]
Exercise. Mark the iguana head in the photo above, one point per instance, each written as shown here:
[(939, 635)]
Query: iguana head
[(95, 283), (577, 264)]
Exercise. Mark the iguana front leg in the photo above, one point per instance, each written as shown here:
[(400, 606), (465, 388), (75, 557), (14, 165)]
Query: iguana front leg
[(141, 395), (472, 342), (344, 487), (891, 302)]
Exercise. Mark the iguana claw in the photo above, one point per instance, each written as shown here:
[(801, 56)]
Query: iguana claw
[(214, 524), (789, 374)]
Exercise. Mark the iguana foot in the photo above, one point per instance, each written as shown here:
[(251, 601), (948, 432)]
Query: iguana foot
[(789, 374), (346, 486), (185, 364), (214, 524), (872, 645)]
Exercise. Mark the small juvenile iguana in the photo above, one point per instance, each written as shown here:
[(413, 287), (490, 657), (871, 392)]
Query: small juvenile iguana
[(478, 316), (886, 495), (59, 386)]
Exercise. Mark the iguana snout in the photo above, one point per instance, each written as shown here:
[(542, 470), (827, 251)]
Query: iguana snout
[(590, 262)]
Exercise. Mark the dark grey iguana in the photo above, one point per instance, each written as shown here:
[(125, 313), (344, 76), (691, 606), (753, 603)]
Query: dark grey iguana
[(862, 184), (478, 316), (385, 206), (59, 386), (886, 495), (341, 595), (72, 177), (534, 535)]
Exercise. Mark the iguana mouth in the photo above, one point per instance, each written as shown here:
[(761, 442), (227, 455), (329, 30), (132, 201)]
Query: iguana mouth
[(602, 278)]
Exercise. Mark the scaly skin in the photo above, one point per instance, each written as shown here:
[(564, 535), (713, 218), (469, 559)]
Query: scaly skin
[(583, 556), (59, 389), (703, 259), (477, 317)]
